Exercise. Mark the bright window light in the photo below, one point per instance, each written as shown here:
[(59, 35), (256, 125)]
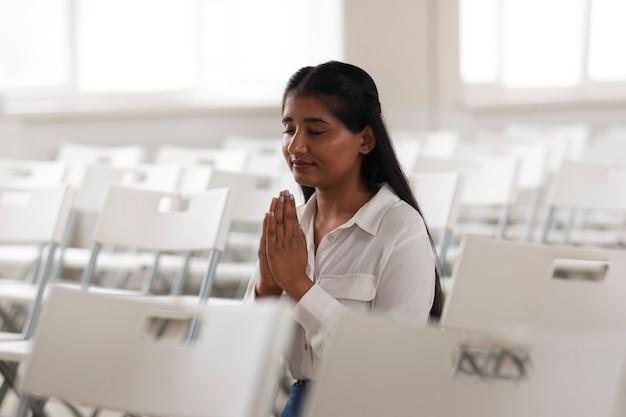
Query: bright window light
[(251, 47), (134, 45), (608, 31), (542, 43), (479, 41), (33, 43)]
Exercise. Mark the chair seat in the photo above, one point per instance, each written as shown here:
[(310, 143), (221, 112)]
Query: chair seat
[(78, 258), (226, 271), (14, 350), (17, 291), (17, 255)]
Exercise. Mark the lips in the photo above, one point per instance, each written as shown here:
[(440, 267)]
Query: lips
[(299, 164)]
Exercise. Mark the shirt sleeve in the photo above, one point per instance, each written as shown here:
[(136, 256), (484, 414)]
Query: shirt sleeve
[(317, 311)]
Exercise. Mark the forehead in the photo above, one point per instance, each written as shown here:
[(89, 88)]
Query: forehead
[(305, 107)]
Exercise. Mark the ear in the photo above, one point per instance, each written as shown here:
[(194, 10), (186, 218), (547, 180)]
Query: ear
[(368, 140)]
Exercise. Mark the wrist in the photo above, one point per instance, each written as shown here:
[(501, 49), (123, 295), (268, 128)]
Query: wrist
[(265, 291)]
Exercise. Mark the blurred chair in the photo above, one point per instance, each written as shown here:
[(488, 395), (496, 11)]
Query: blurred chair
[(31, 173), (265, 157), (499, 282), (249, 199), (532, 180), (78, 156), (490, 183), (160, 224), (439, 198), (101, 350), (587, 205), (24, 173), (377, 367), (155, 223), (31, 217), (223, 159), (90, 199)]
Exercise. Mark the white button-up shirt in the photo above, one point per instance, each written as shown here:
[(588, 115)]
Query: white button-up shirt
[(379, 262)]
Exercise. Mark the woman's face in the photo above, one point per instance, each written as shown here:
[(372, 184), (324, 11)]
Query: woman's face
[(320, 151)]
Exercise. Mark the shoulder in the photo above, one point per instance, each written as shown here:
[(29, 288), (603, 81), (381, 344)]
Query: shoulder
[(403, 217), (396, 215)]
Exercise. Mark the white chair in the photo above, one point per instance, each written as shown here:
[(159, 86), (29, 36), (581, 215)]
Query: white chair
[(90, 199), (533, 175), (34, 217), (490, 182), (264, 154), (249, 199), (23, 173), (223, 159), (100, 350), (31, 173), (161, 224), (377, 367), (95, 184), (560, 287), (439, 198), (78, 156), (591, 197)]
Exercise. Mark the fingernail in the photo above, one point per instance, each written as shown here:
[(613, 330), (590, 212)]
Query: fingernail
[(292, 197), (271, 214), (282, 199), (286, 192)]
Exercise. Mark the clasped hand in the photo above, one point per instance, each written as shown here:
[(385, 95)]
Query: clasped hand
[(282, 251)]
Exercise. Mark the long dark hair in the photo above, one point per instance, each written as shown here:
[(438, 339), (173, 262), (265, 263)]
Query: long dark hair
[(350, 94)]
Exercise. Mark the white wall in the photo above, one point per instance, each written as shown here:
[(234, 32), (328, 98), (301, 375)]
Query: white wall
[(408, 46)]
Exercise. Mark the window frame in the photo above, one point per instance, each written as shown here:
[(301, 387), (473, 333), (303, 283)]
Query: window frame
[(495, 94)]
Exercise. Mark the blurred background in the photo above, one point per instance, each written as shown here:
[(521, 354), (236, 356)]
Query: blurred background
[(189, 72)]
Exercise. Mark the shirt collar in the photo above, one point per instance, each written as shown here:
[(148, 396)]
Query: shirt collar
[(368, 217)]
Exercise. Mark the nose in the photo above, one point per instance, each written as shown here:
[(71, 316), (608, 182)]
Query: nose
[(296, 144)]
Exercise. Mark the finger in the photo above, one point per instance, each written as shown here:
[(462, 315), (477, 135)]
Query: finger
[(262, 251), (271, 222), (279, 216), (290, 216)]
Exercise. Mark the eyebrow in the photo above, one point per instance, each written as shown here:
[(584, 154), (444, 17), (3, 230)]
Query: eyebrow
[(308, 120)]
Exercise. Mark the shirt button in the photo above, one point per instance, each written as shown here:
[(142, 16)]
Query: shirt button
[(331, 238), (306, 346)]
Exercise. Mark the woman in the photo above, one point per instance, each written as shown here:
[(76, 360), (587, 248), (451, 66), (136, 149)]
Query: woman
[(359, 243)]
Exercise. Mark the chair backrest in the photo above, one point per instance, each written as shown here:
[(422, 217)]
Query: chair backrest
[(488, 180), (439, 198), (585, 186), (377, 367), (565, 141), (265, 155), (99, 178), (78, 156), (162, 220), (36, 216), (250, 194), (224, 159), (544, 285), (31, 173), (98, 349), (589, 185)]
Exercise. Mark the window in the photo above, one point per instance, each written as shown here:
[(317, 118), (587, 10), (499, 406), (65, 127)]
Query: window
[(538, 50), (222, 52)]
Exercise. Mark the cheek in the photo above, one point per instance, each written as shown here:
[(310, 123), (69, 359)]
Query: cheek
[(285, 145)]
